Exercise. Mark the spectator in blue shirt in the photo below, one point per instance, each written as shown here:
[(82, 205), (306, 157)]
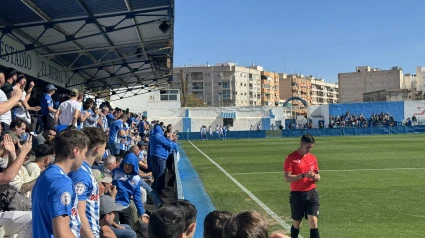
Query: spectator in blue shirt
[(115, 132), (104, 120), (54, 202), (143, 126), (85, 184), (160, 147), (47, 109), (126, 179)]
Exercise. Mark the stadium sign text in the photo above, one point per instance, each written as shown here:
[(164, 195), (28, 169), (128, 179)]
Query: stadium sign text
[(33, 64)]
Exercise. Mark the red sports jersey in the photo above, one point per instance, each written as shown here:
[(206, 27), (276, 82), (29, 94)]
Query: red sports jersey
[(297, 164)]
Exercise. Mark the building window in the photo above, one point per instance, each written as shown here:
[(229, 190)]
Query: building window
[(169, 95), (226, 94)]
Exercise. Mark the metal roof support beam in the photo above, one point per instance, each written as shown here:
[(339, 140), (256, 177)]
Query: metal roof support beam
[(128, 5), (126, 14), (69, 80), (82, 37), (136, 71), (58, 28), (93, 66), (137, 93), (88, 12), (111, 61), (90, 49)]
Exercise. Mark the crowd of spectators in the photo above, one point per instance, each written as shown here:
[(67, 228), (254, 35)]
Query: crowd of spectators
[(352, 120), (56, 167), (85, 170)]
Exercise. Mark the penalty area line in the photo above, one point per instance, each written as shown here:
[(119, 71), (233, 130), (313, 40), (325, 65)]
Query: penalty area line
[(279, 220)]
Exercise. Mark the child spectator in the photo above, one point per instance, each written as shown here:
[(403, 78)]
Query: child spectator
[(247, 224), (167, 222), (214, 223), (189, 212)]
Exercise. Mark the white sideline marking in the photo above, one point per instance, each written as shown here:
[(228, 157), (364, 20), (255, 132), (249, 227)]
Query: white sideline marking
[(338, 170), (281, 222)]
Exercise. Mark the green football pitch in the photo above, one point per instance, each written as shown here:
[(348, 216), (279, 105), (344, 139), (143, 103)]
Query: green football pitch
[(371, 186)]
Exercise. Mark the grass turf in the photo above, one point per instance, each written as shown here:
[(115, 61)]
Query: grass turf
[(354, 202)]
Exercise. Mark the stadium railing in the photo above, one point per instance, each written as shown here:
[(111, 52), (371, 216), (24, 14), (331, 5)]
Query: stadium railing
[(178, 188)]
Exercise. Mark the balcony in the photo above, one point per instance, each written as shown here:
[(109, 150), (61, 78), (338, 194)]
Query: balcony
[(197, 88), (201, 79)]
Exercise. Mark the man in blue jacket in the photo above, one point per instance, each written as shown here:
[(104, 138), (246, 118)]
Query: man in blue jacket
[(160, 147), (126, 179)]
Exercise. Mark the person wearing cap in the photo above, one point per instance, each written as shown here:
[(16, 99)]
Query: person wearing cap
[(104, 181), (85, 185), (107, 210), (69, 111), (47, 110)]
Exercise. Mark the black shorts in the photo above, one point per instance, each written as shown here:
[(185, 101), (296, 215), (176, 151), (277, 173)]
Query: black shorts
[(303, 204)]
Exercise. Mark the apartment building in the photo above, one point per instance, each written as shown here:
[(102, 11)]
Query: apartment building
[(353, 85), (269, 88), (224, 84), (313, 91)]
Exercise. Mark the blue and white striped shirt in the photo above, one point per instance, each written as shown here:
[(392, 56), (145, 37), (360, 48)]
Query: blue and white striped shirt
[(87, 189)]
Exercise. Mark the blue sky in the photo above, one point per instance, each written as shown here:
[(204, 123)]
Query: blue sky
[(318, 37)]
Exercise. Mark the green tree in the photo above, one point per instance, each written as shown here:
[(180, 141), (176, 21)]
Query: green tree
[(194, 101)]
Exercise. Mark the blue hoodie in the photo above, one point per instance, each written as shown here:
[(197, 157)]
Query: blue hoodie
[(159, 145), (128, 184)]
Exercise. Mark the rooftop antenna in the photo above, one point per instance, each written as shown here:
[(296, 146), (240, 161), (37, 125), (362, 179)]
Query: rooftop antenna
[(284, 62)]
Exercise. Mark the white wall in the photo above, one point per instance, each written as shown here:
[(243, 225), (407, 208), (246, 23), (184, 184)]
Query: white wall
[(319, 112), (211, 116), (416, 108), (144, 102)]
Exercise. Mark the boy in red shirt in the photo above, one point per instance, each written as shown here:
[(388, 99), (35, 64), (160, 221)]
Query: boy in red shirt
[(302, 171)]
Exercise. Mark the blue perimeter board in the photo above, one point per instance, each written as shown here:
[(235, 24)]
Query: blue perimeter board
[(194, 191)]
